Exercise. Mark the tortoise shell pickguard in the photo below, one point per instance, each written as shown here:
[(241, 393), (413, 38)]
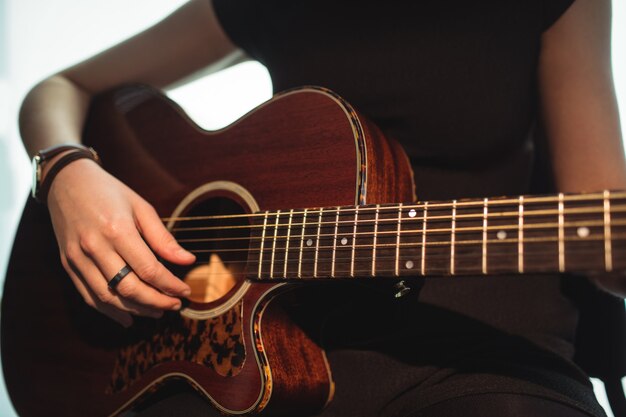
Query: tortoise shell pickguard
[(216, 343)]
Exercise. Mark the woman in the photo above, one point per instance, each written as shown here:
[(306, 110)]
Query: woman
[(457, 85)]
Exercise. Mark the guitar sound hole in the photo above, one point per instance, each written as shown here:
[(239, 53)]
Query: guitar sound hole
[(216, 231)]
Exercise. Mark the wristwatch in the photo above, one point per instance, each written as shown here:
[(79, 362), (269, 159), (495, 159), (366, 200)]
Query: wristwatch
[(44, 155)]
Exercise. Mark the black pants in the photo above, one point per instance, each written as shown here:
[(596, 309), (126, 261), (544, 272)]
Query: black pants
[(411, 359), (484, 405), (373, 385)]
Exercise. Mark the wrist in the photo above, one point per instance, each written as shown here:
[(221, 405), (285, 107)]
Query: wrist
[(47, 163), (45, 167)]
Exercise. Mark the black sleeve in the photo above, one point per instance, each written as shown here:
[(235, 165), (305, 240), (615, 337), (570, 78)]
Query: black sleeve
[(553, 9), (240, 19)]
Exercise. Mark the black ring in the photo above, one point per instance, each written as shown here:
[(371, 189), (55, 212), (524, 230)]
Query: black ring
[(119, 277)]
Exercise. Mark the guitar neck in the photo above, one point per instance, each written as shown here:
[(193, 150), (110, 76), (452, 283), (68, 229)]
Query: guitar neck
[(525, 234)]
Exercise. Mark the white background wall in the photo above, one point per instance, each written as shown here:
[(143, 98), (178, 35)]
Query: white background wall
[(39, 37)]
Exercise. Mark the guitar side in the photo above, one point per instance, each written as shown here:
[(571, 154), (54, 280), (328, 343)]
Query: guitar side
[(305, 148)]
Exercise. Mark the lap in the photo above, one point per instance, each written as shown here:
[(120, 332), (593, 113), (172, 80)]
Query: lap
[(190, 404), (498, 405)]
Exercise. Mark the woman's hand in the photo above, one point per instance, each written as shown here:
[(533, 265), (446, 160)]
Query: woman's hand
[(102, 225)]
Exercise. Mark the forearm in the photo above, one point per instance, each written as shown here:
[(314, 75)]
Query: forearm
[(52, 113), (189, 41), (578, 100), (98, 233)]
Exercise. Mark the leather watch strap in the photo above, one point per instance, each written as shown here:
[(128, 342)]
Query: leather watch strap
[(53, 151), (74, 155)]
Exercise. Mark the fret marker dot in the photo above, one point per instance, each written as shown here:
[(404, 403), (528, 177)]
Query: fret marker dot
[(501, 235), (309, 242), (412, 213), (344, 241), (409, 264), (582, 231)]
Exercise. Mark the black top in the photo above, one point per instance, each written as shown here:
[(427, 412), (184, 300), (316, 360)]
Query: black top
[(456, 83)]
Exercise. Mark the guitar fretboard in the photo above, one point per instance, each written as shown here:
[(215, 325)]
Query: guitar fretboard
[(526, 234)]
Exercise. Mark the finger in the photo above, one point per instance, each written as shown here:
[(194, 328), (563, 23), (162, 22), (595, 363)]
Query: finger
[(86, 275), (112, 312), (158, 237), (140, 258), (122, 317), (109, 262)]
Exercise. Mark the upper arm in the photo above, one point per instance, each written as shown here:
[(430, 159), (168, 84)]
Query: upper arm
[(578, 100), (187, 41)]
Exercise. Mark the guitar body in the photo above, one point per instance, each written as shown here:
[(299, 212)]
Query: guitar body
[(241, 348)]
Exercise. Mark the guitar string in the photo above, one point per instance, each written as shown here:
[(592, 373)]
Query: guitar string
[(576, 239), (437, 256), (599, 197), (429, 232), (591, 238), (417, 232), (383, 273), (393, 220), (432, 269), (495, 266)]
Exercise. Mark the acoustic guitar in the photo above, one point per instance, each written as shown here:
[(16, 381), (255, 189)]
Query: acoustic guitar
[(301, 190)]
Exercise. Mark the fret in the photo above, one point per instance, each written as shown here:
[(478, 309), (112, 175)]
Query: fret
[(375, 240), (424, 228), (468, 246), (437, 241), (332, 268), (262, 244), (302, 234), (363, 241), (584, 234), (325, 243), (293, 245), (502, 236), (484, 245), (317, 242), (460, 237), (274, 244), (398, 231), (309, 239), (344, 240), (353, 251), (561, 234), (405, 239), (543, 248), (618, 230), (520, 237), (452, 237), (385, 241), (253, 267), (287, 243), (608, 253)]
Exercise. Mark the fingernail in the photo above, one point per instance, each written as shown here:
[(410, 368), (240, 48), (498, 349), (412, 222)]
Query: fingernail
[(186, 292), (176, 306), (184, 253)]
